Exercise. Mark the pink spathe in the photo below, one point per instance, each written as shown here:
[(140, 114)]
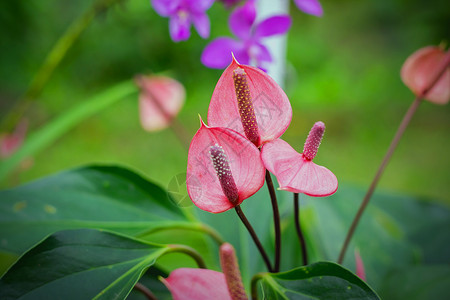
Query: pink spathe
[(198, 284), (421, 68), (360, 272), (243, 158), (160, 100), (295, 173), (271, 106)]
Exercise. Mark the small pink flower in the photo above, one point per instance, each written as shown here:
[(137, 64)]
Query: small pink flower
[(249, 101), (295, 171), (203, 284), (360, 272), (10, 142), (421, 68), (160, 100), (224, 169)]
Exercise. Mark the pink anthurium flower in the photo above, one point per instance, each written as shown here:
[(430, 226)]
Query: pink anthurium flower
[(421, 68), (249, 47), (182, 14), (249, 101), (311, 7), (360, 272), (296, 172), (224, 169), (203, 284), (160, 100), (10, 142)]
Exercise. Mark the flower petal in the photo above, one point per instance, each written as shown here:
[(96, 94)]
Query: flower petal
[(311, 7), (160, 100), (421, 68), (202, 181), (201, 23), (242, 19), (180, 27), (199, 284), (198, 6), (296, 174), (218, 53), (272, 108), (273, 26), (260, 54), (165, 8)]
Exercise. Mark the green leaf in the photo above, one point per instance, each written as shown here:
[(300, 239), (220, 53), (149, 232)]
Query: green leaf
[(394, 232), (80, 264), (109, 198), (62, 124), (417, 283), (322, 280)]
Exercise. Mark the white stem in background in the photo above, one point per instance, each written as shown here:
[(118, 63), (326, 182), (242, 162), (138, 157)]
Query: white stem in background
[(277, 44)]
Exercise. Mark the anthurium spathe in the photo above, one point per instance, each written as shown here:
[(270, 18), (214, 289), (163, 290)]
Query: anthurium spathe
[(249, 101), (160, 100), (199, 284), (224, 168), (203, 284), (296, 172), (422, 68)]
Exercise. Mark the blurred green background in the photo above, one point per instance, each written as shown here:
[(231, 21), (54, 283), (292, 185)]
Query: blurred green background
[(343, 69)]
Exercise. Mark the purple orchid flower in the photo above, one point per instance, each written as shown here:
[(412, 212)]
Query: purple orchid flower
[(248, 48), (183, 13), (311, 7)]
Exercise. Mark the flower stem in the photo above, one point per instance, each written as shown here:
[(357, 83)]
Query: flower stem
[(401, 129), (53, 59), (254, 237), (301, 238), (189, 251), (276, 221), (144, 290)]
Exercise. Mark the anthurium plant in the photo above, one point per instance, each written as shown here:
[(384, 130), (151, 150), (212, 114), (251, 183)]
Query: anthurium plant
[(261, 219)]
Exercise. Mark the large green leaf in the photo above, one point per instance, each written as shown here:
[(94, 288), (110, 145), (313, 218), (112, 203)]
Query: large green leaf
[(109, 198), (322, 280), (417, 283), (395, 231), (80, 264)]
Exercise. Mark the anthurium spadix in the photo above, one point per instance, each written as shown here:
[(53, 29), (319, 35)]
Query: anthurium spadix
[(224, 168), (296, 172), (249, 101)]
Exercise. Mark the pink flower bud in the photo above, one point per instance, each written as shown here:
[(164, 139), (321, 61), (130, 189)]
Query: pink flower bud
[(422, 69), (160, 100), (230, 268), (10, 142), (360, 272), (313, 141)]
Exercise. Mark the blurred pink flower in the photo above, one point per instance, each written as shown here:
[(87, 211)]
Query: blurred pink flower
[(248, 48), (203, 284), (10, 142), (224, 169), (311, 7), (249, 101), (421, 68), (295, 171), (183, 13), (160, 100), (360, 272)]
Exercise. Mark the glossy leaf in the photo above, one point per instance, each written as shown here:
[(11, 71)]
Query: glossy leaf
[(322, 280), (110, 198), (80, 264)]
